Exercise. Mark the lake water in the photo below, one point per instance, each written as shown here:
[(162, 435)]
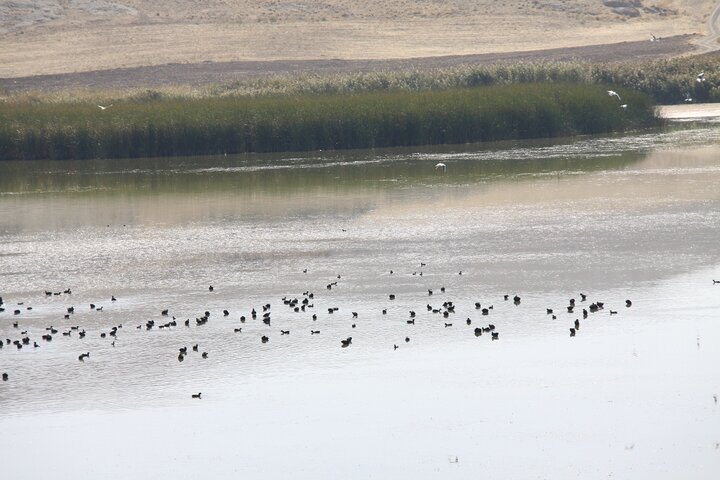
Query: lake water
[(625, 217)]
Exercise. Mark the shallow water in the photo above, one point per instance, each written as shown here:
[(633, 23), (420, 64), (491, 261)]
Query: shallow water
[(626, 217)]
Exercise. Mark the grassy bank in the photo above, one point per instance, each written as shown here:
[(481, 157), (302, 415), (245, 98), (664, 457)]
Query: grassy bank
[(668, 81), (150, 127)]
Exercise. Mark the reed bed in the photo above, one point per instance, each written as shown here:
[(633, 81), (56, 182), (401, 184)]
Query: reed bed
[(163, 126), (668, 81)]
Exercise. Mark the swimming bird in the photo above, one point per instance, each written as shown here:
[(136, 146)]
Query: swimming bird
[(197, 395), (345, 343), (204, 354), (83, 356), (5, 377), (104, 107), (441, 165)]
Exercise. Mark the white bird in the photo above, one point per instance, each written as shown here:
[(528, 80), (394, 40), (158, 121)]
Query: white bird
[(688, 98), (653, 38), (105, 107), (701, 77), (441, 165), (613, 93), (624, 106)]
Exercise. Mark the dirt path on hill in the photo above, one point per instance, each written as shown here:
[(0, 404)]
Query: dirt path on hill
[(198, 74)]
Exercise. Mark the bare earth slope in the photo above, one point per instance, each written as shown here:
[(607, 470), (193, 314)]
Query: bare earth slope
[(56, 44), (197, 74)]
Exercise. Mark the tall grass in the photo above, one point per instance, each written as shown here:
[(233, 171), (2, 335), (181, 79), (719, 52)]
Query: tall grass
[(186, 126)]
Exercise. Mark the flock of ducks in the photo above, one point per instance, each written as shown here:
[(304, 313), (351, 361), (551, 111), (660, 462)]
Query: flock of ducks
[(444, 311)]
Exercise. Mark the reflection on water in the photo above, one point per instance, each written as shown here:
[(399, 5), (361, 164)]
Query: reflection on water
[(545, 219)]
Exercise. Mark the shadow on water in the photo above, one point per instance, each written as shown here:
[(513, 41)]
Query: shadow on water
[(329, 171)]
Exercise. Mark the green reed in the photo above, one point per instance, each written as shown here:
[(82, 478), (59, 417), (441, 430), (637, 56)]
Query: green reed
[(173, 126)]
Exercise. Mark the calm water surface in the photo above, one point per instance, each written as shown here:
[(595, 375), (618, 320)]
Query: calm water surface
[(631, 396)]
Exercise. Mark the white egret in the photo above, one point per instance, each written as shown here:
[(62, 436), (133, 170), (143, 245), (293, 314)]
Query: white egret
[(653, 38), (688, 98), (441, 165), (105, 107), (701, 77), (613, 93)]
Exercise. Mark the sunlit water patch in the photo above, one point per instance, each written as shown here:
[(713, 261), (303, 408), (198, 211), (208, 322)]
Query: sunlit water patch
[(629, 217)]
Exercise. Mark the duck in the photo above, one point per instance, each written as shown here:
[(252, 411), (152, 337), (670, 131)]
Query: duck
[(572, 332), (83, 356), (204, 354), (284, 332), (494, 335), (264, 339), (314, 332), (628, 303), (345, 343), (197, 395), (5, 377)]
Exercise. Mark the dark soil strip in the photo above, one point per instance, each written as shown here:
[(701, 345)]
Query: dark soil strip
[(206, 73)]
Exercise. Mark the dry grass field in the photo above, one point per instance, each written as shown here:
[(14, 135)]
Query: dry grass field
[(60, 36)]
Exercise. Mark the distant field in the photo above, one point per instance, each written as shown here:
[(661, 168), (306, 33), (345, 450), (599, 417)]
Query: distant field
[(54, 36)]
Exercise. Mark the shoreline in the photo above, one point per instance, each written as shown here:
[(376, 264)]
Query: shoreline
[(692, 112)]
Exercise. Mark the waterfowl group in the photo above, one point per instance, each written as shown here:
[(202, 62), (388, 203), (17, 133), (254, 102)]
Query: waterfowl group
[(438, 313)]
